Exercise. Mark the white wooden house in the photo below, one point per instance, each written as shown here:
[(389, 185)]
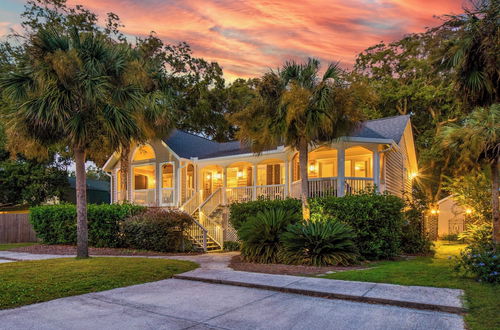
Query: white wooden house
[(202, 176)]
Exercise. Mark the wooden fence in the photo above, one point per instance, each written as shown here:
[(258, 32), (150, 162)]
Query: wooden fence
[(15, 228)]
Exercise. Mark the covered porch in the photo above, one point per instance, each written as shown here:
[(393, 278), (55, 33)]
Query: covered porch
[(336, 171)]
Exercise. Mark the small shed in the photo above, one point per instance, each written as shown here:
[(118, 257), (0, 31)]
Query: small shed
[(97, 192)]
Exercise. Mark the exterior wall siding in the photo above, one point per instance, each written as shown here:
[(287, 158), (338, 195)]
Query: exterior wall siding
[(394, 163)]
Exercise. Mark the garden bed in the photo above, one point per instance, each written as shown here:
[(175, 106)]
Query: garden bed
[(238, 264), (71, 250)]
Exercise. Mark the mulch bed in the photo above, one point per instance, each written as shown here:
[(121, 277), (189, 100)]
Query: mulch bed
[(238, 264), (71, 250)]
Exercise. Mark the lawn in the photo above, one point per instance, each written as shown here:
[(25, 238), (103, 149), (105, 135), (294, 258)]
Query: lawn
[(8, 246), (483, 300), (28, 282)]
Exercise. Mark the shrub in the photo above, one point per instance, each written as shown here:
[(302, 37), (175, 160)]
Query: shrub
[(322, 241), (156, 230), (377, 221), (232, 246), (242, 212), (450, 237), (481, 262), (414, 239), (56, 224), (260, 235), (478, 235)]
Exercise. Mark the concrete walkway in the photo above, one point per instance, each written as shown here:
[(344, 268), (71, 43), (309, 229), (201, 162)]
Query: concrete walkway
[(182, 304), (419, 297)]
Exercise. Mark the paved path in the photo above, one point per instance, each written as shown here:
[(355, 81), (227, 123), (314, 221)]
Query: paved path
[(214, 296), (183, 304)]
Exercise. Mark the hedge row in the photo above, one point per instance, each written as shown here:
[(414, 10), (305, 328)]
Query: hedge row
[(56, 224), (377, 219)]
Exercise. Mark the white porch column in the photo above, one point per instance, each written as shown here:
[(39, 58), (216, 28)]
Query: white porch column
[(254, 182), (341, 170), (178, 185), (287, 178), (224, 185), (376, 168)]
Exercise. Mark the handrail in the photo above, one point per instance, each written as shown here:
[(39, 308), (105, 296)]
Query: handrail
[(192, 204)]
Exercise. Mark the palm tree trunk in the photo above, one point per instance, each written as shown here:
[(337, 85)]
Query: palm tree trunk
[(124, 161), (304, 181), (494, 201), (82, 250)]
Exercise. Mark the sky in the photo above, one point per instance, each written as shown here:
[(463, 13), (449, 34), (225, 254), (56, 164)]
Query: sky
[(249, 37)]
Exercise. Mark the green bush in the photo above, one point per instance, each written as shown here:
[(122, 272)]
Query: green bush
[(413, 236), (450, 237), (156, 230), (478, 235), (480, 261), (241, 212), (232, 246), (322, 241), (56, 224), (377, 221), (260, 235)]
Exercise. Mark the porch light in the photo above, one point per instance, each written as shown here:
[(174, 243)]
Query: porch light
[(468, 211), (312, 168), (413, 175), (434, 211), (239, 174), (208, 176)]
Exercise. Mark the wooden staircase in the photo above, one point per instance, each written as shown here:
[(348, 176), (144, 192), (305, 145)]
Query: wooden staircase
[(206, 232)]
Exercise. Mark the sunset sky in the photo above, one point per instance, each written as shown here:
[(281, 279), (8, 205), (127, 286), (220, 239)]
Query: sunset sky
[(248, 37)]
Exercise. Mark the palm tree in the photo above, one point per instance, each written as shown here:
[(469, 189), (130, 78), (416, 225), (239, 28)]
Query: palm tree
[(473, 52), (296, 107), (72, 89), (155, 116), (477, 142)]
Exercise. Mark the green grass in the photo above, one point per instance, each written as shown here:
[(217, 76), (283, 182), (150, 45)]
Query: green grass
[(483, 300), (8, 246), (28, 282)]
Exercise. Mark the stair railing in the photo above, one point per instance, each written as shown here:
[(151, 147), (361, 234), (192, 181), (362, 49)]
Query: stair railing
[(215, 231), (192, 204), (196, 230)]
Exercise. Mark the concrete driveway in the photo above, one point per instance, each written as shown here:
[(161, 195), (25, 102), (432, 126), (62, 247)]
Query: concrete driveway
[(183, 304)]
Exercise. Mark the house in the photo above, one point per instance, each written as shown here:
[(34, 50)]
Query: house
[(98, 192), (202, 176)]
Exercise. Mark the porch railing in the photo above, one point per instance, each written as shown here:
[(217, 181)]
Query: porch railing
[(321, 187), (356, 185), (167, 196), (275, 191), (239, 194), (145, 197)]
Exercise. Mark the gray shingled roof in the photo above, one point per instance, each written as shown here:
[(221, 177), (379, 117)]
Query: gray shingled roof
[(187, 145)]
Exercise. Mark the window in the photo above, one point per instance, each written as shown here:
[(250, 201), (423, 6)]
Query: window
[(144, 177), (190, 176), (167, 176)]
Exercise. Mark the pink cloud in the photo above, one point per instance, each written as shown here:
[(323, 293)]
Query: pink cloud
[(249, 37)]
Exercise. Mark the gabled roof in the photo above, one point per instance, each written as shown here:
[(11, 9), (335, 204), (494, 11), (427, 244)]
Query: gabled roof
[(187, 145), (384, 128)]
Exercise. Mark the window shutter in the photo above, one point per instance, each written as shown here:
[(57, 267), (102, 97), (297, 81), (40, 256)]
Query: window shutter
[(277, 174)]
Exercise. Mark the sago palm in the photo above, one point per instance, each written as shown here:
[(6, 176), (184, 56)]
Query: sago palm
[(298, 108), (71, 89), (477, 142)]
